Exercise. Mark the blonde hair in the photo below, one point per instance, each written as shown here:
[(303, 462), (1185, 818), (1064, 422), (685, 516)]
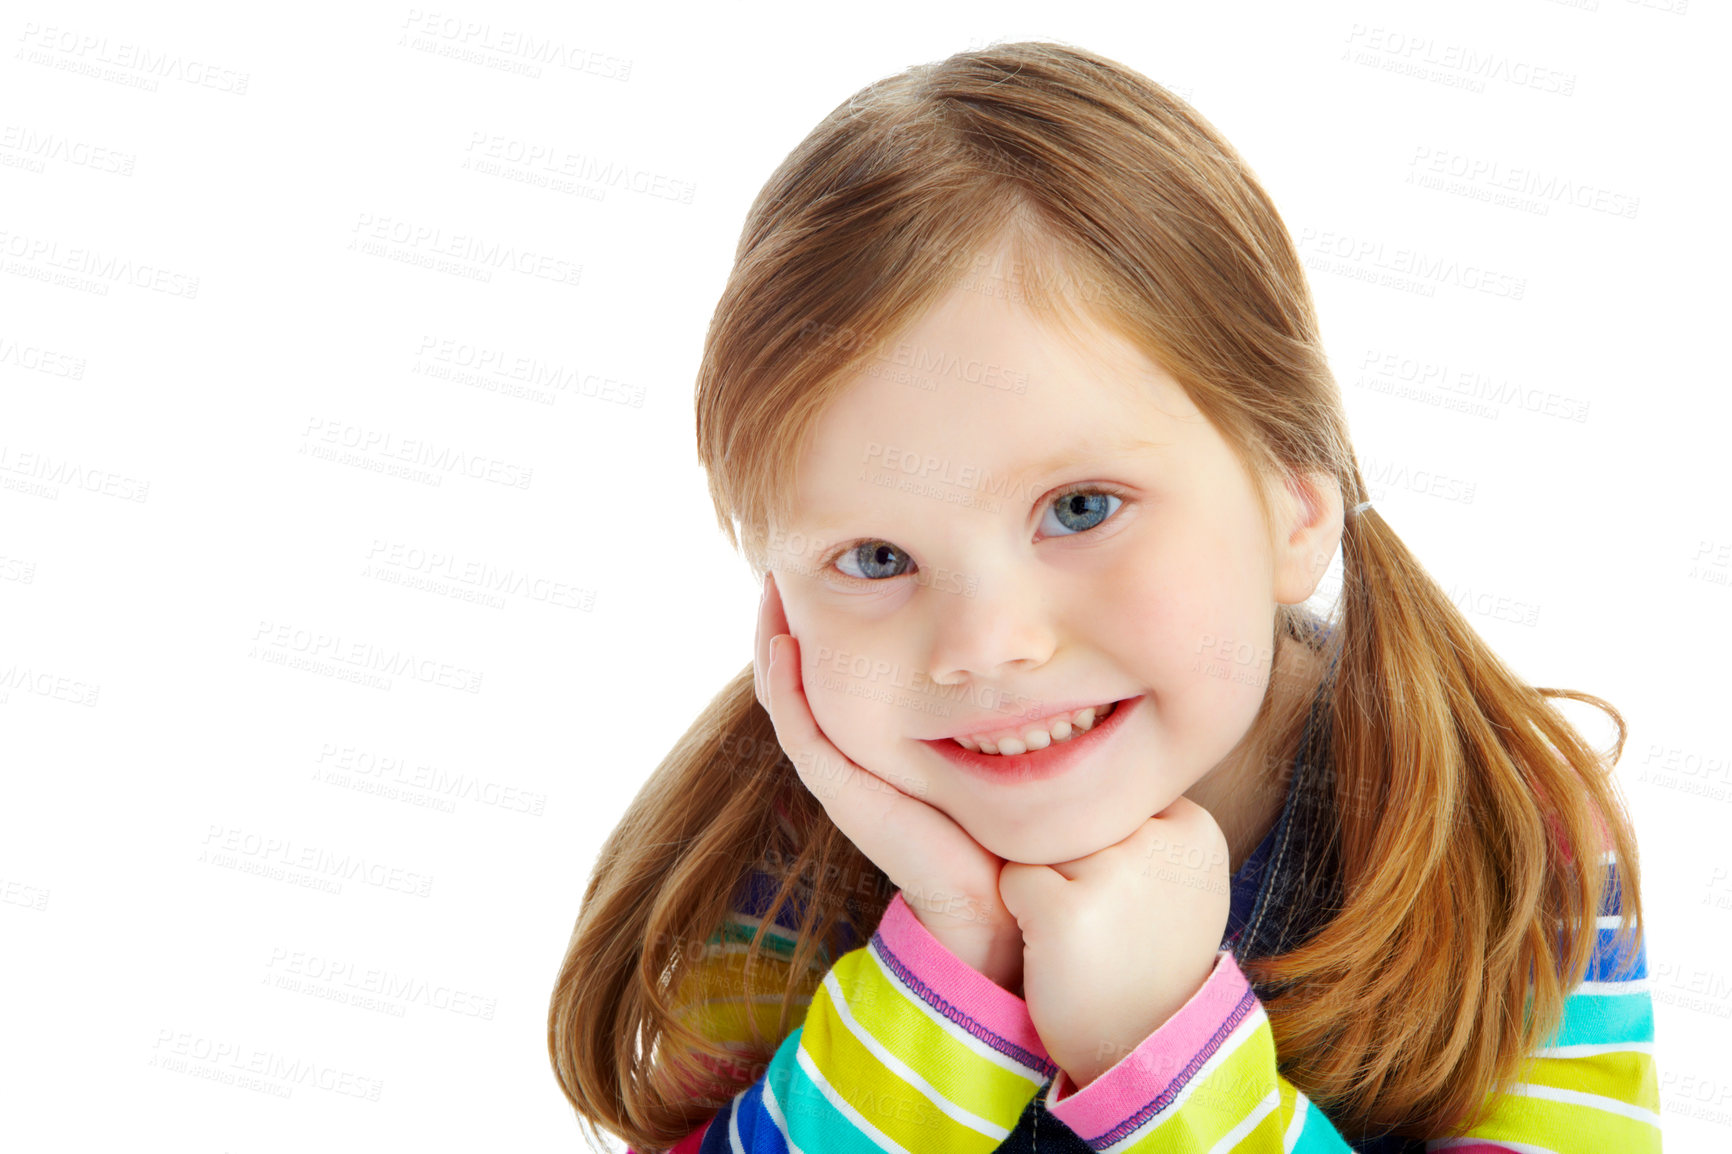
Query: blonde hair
[(1471, 816)]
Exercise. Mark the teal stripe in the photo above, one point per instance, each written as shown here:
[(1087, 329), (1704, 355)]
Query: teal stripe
[(775, 945), (733, 931), (1319, 1135), (813, 1123), (1598, 1019)]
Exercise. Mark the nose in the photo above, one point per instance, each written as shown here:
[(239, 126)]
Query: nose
[(988, 629)]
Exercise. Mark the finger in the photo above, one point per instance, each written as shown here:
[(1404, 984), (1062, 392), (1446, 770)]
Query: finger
[(1183, 832), (771, 621), (758, 646), (773, 602), (888, 825), (1028, 889), (819, 764), (1185, 819)]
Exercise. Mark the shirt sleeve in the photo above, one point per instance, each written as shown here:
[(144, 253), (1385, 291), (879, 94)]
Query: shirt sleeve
[(903, 1047), (1593, 1087), (1206, 1079)]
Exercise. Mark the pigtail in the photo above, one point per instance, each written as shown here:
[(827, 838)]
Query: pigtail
[(1472, 824), (655, 1020)]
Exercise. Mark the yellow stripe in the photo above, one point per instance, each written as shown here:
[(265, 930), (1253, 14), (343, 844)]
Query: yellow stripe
[(901, 1111), (1284, 1113), (1266, 1134), (713, 997), (880, 1005), (1564, 1126), (1626, 1075), (1222, 1095)]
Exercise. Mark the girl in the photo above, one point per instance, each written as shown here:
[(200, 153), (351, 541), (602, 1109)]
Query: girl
[(1047, 813)]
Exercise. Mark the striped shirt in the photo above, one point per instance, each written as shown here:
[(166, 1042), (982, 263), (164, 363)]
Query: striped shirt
[(904, 1047)]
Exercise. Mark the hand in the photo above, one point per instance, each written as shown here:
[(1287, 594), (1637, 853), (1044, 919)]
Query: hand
[(1116, 942), (948, 879)]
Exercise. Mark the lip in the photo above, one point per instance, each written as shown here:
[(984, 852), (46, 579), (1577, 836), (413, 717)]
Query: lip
[(1037, 764), (993, 722)]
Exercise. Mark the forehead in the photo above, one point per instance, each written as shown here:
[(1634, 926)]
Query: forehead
[(982, 387), (976, 357)]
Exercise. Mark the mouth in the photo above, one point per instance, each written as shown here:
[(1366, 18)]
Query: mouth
[(1058, 757)]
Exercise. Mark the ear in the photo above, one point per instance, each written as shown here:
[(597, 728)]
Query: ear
[(1308, 531)]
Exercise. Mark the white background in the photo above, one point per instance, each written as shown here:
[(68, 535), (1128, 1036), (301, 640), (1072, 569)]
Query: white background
[(172, 544)]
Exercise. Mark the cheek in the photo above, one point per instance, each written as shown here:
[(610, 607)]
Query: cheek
[(1201, 635), (837, 712), (851, 685)]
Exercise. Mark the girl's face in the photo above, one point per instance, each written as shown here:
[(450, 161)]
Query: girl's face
[(993, 524)]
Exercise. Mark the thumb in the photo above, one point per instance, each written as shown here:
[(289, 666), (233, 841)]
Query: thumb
[(1029, 891)]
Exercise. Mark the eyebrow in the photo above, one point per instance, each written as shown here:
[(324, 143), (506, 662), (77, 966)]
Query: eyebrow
[(1089, 451), (1086, 451)]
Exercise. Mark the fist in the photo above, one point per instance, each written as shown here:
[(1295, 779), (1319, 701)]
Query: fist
[(1116, 942)]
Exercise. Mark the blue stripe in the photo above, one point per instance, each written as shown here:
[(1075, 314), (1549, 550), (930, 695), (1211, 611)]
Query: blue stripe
[(1610, 964), (815, 1125), (716, 1137), (753, 899), (758, 889), (758, 1131)]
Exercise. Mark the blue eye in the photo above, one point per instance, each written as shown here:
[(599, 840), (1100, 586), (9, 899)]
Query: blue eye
[(874, 557), (1077, 510), (1084, 504)]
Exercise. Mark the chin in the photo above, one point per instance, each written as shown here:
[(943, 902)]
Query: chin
[(1049, 842), (1045, 846)]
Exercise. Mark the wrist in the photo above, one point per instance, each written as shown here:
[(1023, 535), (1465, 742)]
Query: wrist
[(994, 954)]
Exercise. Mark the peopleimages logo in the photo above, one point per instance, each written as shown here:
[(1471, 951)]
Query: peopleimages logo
[(505, 48), (37, 256), (94, 55), (46, 473), (313, 970), (235, 1063), (273, 641), (1366, 258), (228, 847), (424, 244), (387, 445)]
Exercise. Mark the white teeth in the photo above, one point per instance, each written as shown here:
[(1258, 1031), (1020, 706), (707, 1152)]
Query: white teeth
[(1039, 736)]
